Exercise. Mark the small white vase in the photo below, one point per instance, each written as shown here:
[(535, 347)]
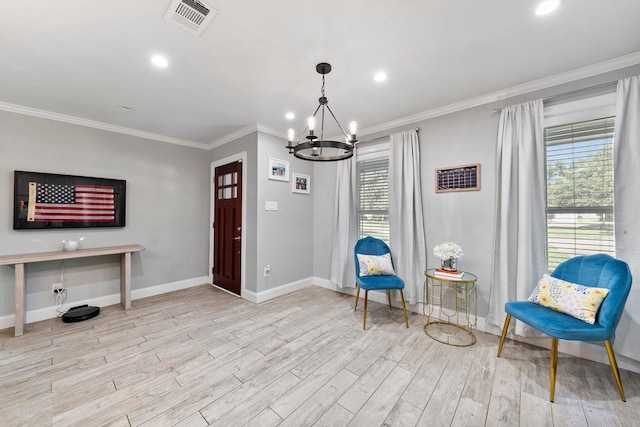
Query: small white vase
[(71, 244)]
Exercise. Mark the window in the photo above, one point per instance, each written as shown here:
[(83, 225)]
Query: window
[(372, 189), (579, 164)]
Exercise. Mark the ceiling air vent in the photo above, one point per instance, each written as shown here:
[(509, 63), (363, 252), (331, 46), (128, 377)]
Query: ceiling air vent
[(192, 15)]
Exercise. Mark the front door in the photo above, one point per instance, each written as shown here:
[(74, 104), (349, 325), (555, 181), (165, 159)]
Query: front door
[(227, 226)]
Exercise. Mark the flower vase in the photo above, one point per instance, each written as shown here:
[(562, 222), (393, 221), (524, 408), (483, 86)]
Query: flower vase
[(449, 264)]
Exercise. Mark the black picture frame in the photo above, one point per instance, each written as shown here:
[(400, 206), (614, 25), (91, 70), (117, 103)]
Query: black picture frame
[(458, 178), (50, 201)]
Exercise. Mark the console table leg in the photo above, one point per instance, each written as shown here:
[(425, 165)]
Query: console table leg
[(125, 280), (19, 309)]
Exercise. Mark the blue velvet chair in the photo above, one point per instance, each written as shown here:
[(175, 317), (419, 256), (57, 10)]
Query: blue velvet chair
[(600, 271), (372, 246)]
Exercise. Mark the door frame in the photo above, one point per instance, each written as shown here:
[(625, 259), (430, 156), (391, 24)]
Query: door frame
[(241, 157)]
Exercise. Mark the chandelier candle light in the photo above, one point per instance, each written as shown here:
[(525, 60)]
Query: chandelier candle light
[(448, 252), (317, 148)]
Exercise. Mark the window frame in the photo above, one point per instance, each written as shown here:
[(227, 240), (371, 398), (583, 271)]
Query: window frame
[(371, 151), (565, 113)]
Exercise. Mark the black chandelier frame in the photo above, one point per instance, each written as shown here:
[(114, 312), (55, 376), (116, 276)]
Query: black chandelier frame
[(312, 149)]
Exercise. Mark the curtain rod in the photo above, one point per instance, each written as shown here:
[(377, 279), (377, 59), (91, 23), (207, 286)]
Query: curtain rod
[(569, 93)]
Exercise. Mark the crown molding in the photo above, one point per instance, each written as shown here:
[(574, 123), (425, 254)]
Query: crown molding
[(544, 83), (247, 130), (44, 114)]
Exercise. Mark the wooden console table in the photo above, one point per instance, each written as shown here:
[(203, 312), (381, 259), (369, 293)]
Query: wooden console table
[(20, 260)]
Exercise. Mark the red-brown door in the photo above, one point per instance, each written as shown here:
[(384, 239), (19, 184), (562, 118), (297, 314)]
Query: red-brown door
[(227, 226)]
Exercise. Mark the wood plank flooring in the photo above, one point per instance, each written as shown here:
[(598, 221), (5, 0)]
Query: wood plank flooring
[(202, 357)]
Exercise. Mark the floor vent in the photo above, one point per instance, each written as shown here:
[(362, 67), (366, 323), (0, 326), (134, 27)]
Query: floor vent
[(192, 15)]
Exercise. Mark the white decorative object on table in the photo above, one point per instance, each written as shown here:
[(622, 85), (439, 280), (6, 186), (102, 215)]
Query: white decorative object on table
[(448, 252), (72, 244)]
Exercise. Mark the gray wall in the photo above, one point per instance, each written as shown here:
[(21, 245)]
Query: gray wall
[(285, 236), (282, 238), (167, 208), (467, 218), (247, 144)]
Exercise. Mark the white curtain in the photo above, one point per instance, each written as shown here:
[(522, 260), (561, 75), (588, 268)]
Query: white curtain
[(345, 233), (406, 222), (519, 258), (626, 154)]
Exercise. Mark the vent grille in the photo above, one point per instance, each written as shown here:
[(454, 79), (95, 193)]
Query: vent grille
[(192, 15)]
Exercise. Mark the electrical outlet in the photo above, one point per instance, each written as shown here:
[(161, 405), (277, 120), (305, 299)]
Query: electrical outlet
[(267, 270), (56, 288)]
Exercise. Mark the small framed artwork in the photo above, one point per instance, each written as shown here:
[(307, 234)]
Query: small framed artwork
[(278, 169), (301, 183), (458, 178)]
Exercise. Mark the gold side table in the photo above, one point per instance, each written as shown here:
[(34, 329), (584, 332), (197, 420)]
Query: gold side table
[(450, 308)]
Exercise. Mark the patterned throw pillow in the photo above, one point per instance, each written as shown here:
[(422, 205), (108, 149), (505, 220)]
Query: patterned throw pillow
[(375, 265), (581, 302)]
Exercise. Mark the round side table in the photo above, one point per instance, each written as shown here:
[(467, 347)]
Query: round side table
[(450, 308)]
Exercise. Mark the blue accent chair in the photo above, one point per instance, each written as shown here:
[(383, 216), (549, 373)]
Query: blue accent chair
[(372, 246), (601, 271)]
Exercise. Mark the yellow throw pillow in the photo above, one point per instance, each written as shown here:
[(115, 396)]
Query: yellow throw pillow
[(375, 265), (581, 302)]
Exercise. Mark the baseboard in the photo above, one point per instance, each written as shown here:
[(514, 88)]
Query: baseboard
[(167, 287), (258, 297), (51, 312), (578, 349)]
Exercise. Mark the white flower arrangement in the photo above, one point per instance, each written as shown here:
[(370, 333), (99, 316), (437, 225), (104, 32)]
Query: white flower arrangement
[(448, 250)]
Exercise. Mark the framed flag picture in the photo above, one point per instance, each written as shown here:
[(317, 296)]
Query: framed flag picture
[(45, 200)]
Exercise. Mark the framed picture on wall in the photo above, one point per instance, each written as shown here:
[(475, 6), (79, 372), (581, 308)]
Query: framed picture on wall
[(301, 183), (278, 169), (46, 200), (458, 178)]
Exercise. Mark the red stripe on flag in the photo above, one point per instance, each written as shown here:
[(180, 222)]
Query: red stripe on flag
[(94, 203)]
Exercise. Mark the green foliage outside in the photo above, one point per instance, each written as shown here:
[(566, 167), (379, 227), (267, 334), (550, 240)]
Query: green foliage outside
[(585, 181)]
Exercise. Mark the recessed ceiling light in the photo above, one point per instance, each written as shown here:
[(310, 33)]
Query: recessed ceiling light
[(547, 6), (159, 61), (380, 76), (290, 116)]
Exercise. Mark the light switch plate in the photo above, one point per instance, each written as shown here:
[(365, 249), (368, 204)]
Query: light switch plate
[(270, 206)]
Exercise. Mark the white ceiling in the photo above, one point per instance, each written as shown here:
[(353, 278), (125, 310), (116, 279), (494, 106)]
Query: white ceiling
[(78, 61)]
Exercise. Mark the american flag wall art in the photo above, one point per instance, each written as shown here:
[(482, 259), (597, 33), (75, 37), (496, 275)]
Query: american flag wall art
[(70, 203), (45, 200)]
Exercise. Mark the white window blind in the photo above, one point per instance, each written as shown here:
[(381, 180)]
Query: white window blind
[(373, 198), (579, 163)]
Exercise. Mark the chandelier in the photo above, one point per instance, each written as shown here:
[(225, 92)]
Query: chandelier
[(317, 148)]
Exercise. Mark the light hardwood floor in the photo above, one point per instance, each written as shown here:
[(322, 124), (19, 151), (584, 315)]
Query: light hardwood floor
[(201, 356)]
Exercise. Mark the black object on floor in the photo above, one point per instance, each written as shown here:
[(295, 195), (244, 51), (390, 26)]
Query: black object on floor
[(80, 313)]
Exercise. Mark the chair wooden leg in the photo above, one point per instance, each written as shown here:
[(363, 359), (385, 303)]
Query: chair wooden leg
[(614, 368), (504, 333), (357, 296), (553, 368), (366, 297), (406, 319), (389, 297)]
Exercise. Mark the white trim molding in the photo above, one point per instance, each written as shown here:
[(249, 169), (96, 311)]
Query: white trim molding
[(51, 312), (44, 114), (546, 82)]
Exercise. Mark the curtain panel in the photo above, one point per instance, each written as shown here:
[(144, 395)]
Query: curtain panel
[(626, 153), (345, 233), (406, 219), (519, 246)]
